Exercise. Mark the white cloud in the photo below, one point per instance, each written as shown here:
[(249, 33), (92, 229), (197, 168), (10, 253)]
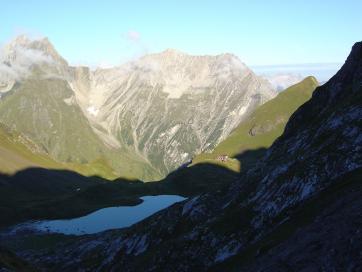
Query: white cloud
[(322, 71), (27, 57), (228, 65), (133, 36), (16, 62), (282, 81), (135, 44)]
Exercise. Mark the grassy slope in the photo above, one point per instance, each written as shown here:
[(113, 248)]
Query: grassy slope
[(262, 128), (42, 109), (18, 153), (37, 108)]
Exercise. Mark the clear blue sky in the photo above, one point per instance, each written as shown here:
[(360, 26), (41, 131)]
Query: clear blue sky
[(259, 32)]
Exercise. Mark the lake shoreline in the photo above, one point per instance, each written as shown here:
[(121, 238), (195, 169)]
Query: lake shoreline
[(120, 216), (28, 235)]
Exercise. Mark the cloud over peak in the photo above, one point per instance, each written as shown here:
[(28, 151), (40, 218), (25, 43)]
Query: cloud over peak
[(133, 36), (16, 60)]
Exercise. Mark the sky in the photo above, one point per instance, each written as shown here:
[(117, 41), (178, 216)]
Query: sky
[(261, 33)]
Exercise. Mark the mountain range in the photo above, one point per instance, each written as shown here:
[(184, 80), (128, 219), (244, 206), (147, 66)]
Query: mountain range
[(296, 209), (142, 119), (272, 179)]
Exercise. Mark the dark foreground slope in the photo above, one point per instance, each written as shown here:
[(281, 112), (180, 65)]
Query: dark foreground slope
[(10, 262), (38, 193), (297, 209)]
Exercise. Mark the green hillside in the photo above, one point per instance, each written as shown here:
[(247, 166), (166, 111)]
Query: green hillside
[(18, 153), (44, 111), (39, 110), (248, 141)]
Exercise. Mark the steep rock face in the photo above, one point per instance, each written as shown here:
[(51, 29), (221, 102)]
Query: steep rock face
[(309, 179), (169, 106), (152, 114)]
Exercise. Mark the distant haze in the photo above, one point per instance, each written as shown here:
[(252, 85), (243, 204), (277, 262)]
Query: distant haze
[(322, 71)]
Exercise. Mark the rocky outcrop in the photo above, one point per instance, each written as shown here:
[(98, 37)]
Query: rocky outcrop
[(296, 209)]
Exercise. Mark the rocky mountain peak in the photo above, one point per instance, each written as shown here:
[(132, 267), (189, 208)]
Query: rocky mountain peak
[(172, 52), (345, 83), (178, 68), (20, 40), (196, 100), (23, 45), (351, 71)]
